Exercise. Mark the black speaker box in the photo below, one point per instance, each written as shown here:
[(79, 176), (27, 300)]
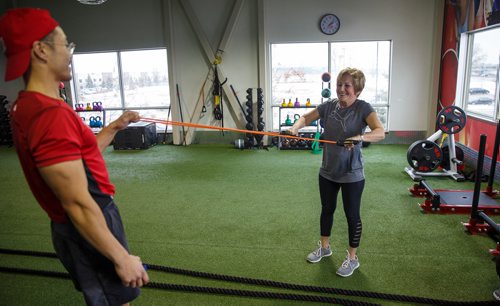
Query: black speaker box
[(137, 136)]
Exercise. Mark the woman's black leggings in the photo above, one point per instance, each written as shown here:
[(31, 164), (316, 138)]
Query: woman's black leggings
[(351, 198)]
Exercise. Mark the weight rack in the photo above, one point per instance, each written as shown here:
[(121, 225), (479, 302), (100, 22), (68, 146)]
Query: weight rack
[(425, 156)]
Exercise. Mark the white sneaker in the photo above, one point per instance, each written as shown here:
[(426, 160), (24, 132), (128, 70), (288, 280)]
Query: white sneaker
[(496, 294), (321, 252), (348, 266)]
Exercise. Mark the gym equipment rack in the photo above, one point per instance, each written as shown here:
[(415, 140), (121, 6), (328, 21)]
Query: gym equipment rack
[(462, 201), (425, 156)]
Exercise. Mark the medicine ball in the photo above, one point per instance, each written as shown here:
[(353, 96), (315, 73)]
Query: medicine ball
[(326, 77)]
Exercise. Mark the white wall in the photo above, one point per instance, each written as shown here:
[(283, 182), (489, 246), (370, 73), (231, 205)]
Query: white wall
[(413, 26), (239, 59)]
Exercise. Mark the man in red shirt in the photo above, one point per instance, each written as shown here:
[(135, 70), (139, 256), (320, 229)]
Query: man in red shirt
[(63, 164)]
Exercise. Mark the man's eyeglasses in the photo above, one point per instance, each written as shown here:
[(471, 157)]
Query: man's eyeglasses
[(70, 46)]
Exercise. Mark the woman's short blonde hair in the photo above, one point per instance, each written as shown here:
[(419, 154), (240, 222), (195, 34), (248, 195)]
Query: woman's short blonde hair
[(358, 78)]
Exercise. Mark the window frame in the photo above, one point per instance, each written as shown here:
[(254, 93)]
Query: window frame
[(464, 73), (118, 53), (330, 44)]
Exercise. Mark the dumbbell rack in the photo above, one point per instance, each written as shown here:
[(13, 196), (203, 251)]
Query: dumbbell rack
[(284, 143), (254, 115), (89, 113), (425, 156)]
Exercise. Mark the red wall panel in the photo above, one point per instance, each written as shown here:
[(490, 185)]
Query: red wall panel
[(474, 127), (461, 16)]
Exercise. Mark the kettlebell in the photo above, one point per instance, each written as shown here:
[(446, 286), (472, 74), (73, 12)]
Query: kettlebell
[(308, 103), (297, 103), (283, 104), (97, 106), (288, 121), (98, 122), (296, 117), (92, 121), (89, 107), (290, 104), (285, 143)]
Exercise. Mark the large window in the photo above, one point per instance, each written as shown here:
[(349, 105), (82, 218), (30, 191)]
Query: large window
[(478, 83), (135, 80), (297, 70)]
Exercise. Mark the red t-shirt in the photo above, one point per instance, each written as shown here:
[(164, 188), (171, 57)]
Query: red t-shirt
[(46, 131)]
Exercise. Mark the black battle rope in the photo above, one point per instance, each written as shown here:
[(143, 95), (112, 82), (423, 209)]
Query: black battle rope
[(212, 290), (244, 280)]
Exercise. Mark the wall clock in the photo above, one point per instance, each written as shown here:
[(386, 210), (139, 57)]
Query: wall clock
[(329, 24)]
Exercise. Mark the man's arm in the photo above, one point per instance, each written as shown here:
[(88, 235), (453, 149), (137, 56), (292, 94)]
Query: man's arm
[(69, 183), (107, 134)]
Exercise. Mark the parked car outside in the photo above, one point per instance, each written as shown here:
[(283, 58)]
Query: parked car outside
[(477, 90), (483, 100)]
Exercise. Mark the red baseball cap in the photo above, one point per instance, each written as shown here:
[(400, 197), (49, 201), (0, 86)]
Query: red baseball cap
[(19, 28)]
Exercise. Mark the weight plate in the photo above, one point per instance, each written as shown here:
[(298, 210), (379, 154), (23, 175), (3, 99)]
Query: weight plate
[(451, 119), (424, 155)]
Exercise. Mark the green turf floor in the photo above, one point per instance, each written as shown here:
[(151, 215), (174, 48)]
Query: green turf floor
[(255, 213)]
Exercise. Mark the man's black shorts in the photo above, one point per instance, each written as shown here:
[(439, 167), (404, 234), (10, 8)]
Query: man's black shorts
[(91, 272)]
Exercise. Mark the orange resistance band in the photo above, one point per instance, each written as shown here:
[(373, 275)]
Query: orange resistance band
[(274, 134)]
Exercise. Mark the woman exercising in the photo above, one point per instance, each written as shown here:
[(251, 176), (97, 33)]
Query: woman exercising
[(344, 120)]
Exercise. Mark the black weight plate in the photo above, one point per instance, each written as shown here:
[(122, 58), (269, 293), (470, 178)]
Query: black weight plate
[(424, 155), (451, 119)]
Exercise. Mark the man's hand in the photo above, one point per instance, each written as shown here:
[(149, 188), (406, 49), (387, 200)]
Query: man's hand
[(132, 272), (125, 119), (107, 134)]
